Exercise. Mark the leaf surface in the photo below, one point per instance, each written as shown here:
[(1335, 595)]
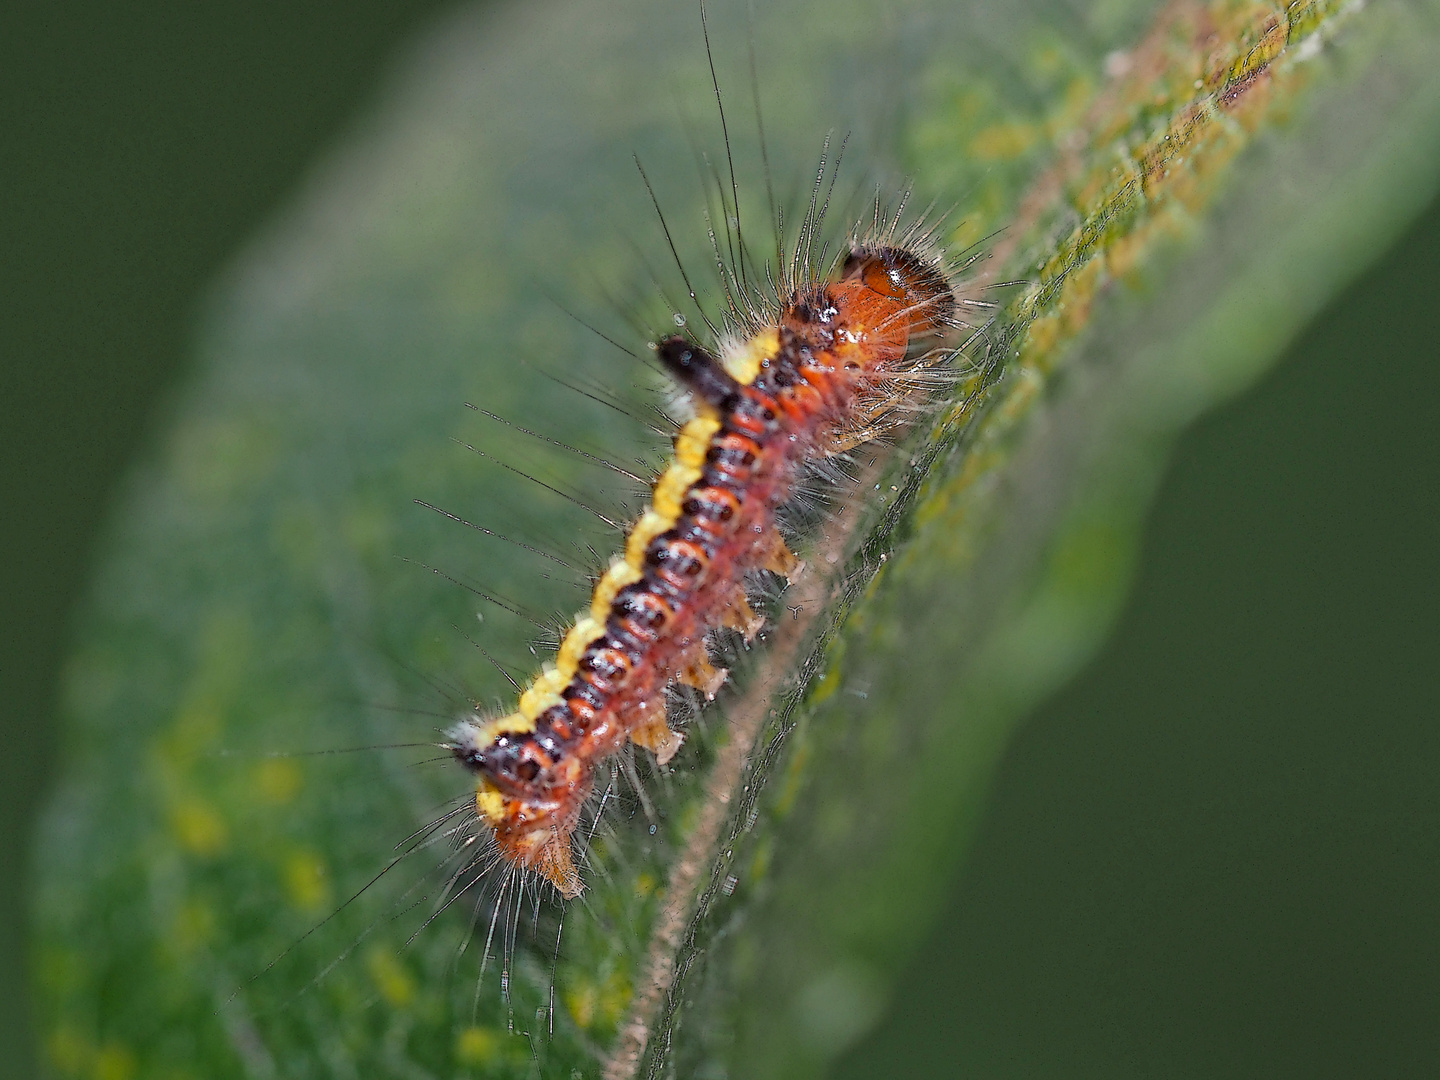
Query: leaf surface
[(1176, 188)]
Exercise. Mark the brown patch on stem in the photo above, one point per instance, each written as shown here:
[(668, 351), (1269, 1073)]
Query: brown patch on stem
[(807, 598)]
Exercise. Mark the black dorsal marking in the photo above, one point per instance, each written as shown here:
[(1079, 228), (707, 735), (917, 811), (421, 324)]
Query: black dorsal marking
[(698, 371)]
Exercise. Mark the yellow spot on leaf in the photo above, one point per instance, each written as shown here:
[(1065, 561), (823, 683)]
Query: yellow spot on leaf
[(196, 727), (391, 978), (580, 1000), (198, 828), (598, 1004), (115, 1062), (277, 782), (69, 1050), (826, 686), (194, 925), (307, 881), (1004, 141), (477, 1046)]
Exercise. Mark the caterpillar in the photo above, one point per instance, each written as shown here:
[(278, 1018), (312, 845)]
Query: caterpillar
[(829, 363)]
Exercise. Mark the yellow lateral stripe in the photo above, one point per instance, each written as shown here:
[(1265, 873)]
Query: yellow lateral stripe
[(744, 360), (646, 529), (585, 630), (516, 723), (542, 693), (671, 487), (616, 578), (490, 803), (691, 444), (694, 439)]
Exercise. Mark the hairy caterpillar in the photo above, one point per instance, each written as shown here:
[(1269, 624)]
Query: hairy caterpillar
[(832, 364)]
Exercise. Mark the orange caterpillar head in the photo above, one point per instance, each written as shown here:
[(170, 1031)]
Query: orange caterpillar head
[(908, 296), (887, 306)]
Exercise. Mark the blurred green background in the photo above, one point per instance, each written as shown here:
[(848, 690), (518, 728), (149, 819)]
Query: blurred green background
[(1213, 854)]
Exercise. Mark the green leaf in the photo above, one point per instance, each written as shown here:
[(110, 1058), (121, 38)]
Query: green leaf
[(1179, 189)]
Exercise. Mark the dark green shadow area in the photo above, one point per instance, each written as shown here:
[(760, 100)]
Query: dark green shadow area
[(143, 145), (1217, 851)]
